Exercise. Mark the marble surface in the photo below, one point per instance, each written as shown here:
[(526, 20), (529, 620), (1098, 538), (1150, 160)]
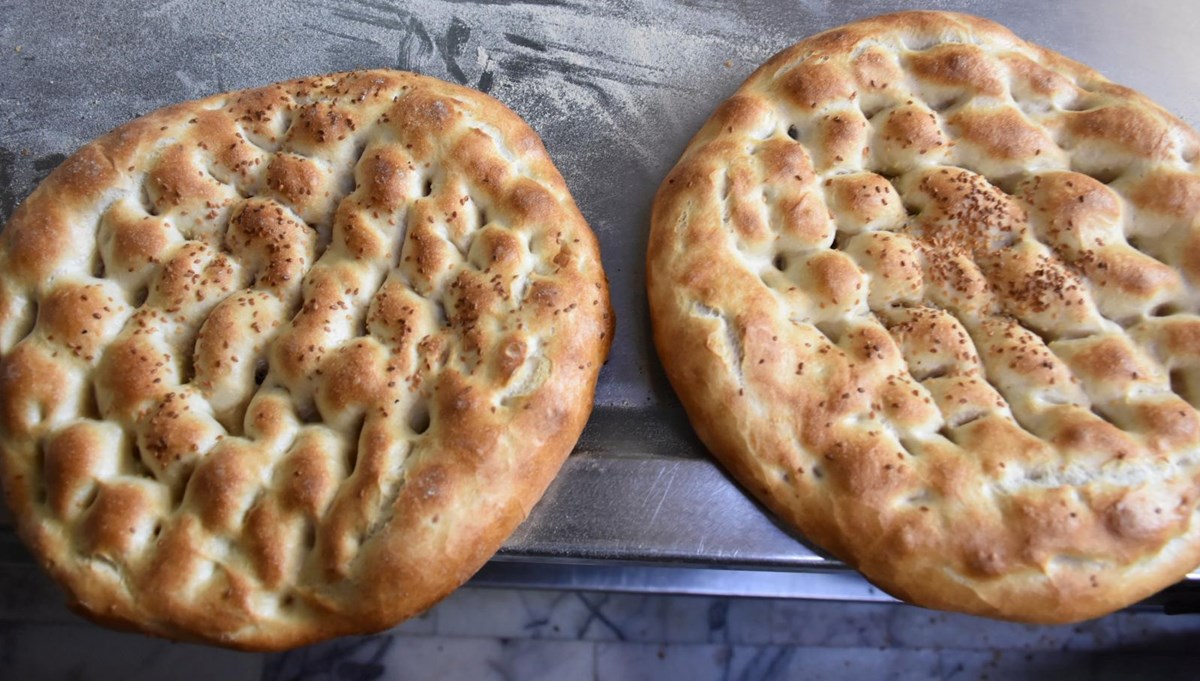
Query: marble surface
[(526, 634)]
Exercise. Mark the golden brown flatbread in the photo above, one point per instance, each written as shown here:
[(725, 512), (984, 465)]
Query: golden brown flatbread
[(929, 292), (292, 362)]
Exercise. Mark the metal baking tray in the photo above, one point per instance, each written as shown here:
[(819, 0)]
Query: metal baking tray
[(615, 90)]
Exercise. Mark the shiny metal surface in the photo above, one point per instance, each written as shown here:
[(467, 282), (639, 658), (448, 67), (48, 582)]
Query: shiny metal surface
[(615, 90), (832, 585), (841, 585)]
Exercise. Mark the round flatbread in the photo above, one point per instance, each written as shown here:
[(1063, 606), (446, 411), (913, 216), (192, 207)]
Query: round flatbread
[(929, 292), (292, 362)]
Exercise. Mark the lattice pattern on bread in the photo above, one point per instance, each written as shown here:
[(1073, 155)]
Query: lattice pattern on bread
[(929, 291), (292, 362)]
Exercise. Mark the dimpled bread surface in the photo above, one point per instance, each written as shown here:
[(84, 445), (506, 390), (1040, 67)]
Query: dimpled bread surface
[(292, 362), (928, 291)]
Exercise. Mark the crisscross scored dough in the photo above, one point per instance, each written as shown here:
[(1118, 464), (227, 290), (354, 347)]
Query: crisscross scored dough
[(929, 292), (292, 362)]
